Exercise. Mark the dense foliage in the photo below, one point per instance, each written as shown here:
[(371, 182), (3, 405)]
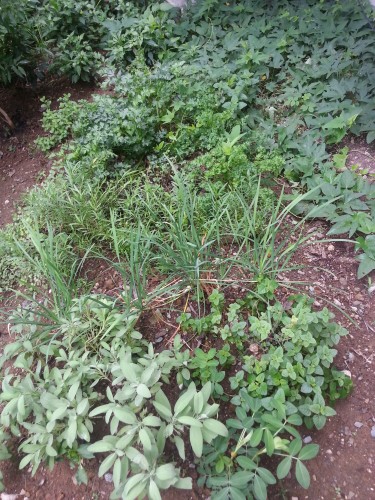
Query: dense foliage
[(171, 175)]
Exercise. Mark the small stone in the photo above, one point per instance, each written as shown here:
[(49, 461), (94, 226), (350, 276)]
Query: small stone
[(74, 479), (159, 339), (358, 425), (41, 482), (331, 248), (6, 203), (108, 477), (254, 349), (307, 439), (329, 452), (373, 431), (343, 281), (347, 431), (294, 498), (24, 493), (8, 496), (351, 495), (191, 466)]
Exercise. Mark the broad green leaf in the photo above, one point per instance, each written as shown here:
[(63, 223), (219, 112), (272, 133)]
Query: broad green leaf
[(179, 442), (184, 483), (191, 421), (260, 489), (101, 447), (216, 427), (256, 437), (302, 475), (268, 441), (143, 391), (81, 476), (308, 452), (196, 440), (107, 464), (153, 491), (166, 472), (284, 467)]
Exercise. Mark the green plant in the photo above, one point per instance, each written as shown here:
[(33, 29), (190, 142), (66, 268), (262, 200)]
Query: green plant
[(231, 467), (76, 58)]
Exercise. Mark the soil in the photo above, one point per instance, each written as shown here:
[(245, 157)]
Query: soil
[(345, 466)]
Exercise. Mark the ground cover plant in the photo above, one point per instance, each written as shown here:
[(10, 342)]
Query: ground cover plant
[(173, 175)]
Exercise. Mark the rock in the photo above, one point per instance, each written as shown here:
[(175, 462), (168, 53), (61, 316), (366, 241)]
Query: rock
[(329, 452), (350, 495), (158, 340), (307, 439), (358, 425), (294, 498), (24, 493), (373, 431), (108, 477), (8, 496), (347, 431), (343, 281), (331, 248)]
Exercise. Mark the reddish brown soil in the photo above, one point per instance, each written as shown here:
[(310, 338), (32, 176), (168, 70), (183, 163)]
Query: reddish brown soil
[(345, 468)]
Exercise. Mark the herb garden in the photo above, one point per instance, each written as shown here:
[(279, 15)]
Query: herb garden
[(213, 136)]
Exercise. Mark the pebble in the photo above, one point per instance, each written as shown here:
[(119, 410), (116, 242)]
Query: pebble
[(351, 495), (108, 477), (307, 439), (347, 431), (159, 339), (343, 281), (358, 425), (8, 496), (373, 431), (331, 248), (329, 452)]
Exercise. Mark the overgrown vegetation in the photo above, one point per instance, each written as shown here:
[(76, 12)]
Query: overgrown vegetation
[(173, 178)]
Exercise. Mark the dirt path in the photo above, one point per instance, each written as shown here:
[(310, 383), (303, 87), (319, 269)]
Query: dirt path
[(345, 468)]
